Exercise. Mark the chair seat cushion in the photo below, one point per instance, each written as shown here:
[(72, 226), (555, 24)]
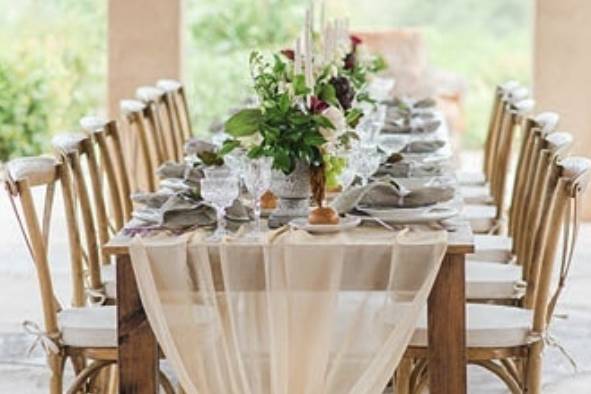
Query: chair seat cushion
[(471, 178), (488, 326), (476, 195), (89, 327), (109, 277), (494, 281), (491, 248), (482, 218)]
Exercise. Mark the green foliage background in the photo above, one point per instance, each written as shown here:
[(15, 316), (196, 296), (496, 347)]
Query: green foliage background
[(53, 58)]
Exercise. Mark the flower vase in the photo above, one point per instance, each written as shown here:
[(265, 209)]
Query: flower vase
[(293, 194)]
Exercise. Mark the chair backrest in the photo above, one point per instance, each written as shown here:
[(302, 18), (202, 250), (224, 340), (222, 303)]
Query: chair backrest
[(179, 107), (513, 114), (153, 99), (553, 148), (105, 137), (572, 177), (544, 122), (77, 155), (143, 160), (22, 175)]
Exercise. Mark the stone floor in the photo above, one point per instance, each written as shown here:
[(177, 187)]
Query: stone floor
[(19, 300)]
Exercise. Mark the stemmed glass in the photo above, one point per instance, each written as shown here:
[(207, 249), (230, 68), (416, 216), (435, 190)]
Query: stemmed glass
[(257, 179), (219, 191), (366, 161)]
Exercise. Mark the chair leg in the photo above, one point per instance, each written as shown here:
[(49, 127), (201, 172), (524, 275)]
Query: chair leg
[(56, 364), (533, 369), (87, 373), (501, 373), (402, 376)]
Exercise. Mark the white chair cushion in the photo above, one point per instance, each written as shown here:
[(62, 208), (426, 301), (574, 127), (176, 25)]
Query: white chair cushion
[(488, 326), (89, 327), (476, 194), (109, 277), (481, 217), (491, 248), (471, 178), (491, 280)]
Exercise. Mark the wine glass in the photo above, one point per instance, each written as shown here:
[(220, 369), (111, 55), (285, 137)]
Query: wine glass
[(257, 179), (366, 161), (347, 175), (219, 191)]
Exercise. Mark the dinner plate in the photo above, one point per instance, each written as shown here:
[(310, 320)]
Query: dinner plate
[(423, 182), (174, 184), (433, 213), (346, 223)]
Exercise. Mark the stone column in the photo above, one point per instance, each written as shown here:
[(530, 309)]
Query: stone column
[(145, 44), (562, 69)]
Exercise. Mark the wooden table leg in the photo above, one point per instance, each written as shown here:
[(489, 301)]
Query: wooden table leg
[(447, 328), (138, 349)]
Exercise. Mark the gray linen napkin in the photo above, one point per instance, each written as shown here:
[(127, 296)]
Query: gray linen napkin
[(151, 200), (170, 169), (405, 169), (403, 127), (180, 211), (423, 146), (195, 146), (387, 195)]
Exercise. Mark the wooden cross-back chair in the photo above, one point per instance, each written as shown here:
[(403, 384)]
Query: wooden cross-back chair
[(482, 178), (508, 283), (105, 137), (502, 248), (77, 154), (508, 341), (489, 216), (142, 146), (87, 336), (176, 102), (167, 145)]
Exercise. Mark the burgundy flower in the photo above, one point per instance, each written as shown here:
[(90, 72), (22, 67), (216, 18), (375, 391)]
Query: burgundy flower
[(355, 40), (288, 53), (344, 91), (317, 105), (350, 61)]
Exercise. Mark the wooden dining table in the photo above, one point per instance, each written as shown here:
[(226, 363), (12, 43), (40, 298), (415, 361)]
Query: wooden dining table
[(139, 353)]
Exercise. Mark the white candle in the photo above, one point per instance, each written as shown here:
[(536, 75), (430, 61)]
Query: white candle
[(298, 56), (322, 15)]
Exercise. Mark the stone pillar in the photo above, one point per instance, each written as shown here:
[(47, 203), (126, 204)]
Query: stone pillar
[(562, 70), (145, 44)]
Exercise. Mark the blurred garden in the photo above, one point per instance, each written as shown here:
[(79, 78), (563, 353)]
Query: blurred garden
[(53, 63)]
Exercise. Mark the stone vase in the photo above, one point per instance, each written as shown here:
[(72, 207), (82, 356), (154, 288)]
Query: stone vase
[(293, 194)]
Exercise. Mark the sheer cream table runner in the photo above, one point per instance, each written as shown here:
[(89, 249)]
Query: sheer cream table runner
[(297, 313)]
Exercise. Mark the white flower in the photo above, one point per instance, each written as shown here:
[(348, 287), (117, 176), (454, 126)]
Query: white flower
[(338, 120)]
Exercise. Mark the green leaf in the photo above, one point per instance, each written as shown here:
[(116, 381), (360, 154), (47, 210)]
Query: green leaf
[(328, 94), (299, 85), (323, 121), (284, 103), (210, 158), (228, 146), (314, 139), (243, 123), (353, 117)]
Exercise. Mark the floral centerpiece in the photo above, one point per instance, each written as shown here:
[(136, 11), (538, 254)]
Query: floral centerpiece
[(306, 113)]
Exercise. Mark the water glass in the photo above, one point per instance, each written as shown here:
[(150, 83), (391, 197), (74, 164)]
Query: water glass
[(257, 179), (220, 192), (366, 161)]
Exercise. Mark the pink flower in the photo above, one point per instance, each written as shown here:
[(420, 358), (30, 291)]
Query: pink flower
[(288, 53), (317, 105)]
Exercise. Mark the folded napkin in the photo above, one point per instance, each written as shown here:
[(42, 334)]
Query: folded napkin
[(387, 194), (182, 211), (404, 169), (195, 146), (423, 146), (402, 127), (152, 200), (171, 169)]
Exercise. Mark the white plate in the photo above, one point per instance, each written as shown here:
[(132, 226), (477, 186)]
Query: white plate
[(174, 184), (422, 182), (346, 223), (412, 215)]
